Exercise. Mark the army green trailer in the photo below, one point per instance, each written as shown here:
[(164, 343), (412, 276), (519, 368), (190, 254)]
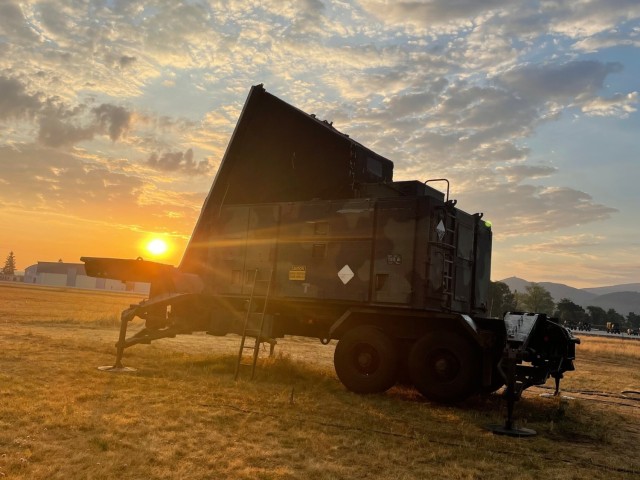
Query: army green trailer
[(305, 232)]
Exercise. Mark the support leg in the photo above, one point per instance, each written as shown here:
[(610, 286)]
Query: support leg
[(120, 345), (124, 321), (512, 393)]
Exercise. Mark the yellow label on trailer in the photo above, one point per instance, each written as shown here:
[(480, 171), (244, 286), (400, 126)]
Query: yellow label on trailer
[(298, 272)]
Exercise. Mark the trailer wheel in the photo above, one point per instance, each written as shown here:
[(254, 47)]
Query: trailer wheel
[(366, 360), (444, 367)]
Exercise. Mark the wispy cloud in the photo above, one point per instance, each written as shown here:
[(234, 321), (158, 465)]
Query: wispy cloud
[(179, 162), (565, 245)]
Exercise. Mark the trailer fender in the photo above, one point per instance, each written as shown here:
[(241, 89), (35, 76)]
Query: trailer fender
[(470, 326), (347, 321), (453, 321), (338, 323)]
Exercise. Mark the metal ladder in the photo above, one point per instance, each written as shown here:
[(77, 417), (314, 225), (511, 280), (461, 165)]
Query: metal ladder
[(247, 331), (449, 256)]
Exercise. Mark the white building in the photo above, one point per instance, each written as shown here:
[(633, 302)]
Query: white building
[(18, 277), (61, 274)]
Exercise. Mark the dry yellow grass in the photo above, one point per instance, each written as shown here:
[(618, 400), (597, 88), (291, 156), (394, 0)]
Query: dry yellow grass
[(606, 364), (181, 415), (41, 304), (622, 348)]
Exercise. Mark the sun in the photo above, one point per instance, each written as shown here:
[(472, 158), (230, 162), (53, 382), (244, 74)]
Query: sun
[(157, 247)]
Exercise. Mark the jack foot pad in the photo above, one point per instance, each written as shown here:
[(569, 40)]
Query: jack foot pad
[(511, 432), (114, 369)]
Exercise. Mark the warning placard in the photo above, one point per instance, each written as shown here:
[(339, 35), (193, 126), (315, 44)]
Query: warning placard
[(298, 272), (345, 274)]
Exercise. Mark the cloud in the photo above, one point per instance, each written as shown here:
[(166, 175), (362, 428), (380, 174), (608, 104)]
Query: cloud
[(179, 34), (564, 82), (179, 162), (119, 61), (410, 103), (590, 17), (305, 16), (501, 18), (53, 132), (55, 180), (619, 105), (526, 209), (63, 127), (15, 101), (431, 13), (518, 173), (13, 23), (41, 179), (565, 245), (56, 20), (125, 61), (448, 126), (60, 124), (608, 39), (114, 119)]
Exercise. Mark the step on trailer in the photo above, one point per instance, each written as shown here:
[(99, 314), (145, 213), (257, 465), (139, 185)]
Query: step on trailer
[(305, 232)]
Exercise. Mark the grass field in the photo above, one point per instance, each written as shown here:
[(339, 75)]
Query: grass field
[(182, 416)]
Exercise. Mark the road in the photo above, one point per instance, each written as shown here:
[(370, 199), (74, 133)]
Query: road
[(602, 333)]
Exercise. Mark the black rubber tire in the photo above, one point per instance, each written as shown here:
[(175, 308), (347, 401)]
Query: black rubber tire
[(445, 366), (366, 360)]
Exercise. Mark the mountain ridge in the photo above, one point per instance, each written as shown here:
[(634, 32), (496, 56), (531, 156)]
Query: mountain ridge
[(623, 298)]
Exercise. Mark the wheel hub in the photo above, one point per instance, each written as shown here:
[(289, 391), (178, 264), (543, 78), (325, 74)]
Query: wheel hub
[(445, 366), (366, 359)]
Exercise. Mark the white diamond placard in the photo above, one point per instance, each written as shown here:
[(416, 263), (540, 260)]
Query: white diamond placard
[(345, 274), (440, 230)]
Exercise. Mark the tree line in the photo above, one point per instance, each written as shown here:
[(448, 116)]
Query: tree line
[(537, 299)]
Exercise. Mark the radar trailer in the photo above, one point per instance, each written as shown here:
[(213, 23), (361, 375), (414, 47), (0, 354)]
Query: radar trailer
[(305, 232)]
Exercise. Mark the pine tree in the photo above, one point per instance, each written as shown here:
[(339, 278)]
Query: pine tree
[(9, 265)]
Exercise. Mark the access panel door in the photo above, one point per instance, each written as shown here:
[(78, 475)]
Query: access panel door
[(262, 234), (394, 247)]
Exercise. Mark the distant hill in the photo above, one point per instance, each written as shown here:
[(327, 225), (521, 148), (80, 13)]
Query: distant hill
[(623, 298), (557, 290), (627, 287), (621, 302)]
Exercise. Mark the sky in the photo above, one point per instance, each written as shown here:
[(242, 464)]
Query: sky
[(114, 116)]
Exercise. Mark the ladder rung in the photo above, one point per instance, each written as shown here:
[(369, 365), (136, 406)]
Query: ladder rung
[(251, 318)]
